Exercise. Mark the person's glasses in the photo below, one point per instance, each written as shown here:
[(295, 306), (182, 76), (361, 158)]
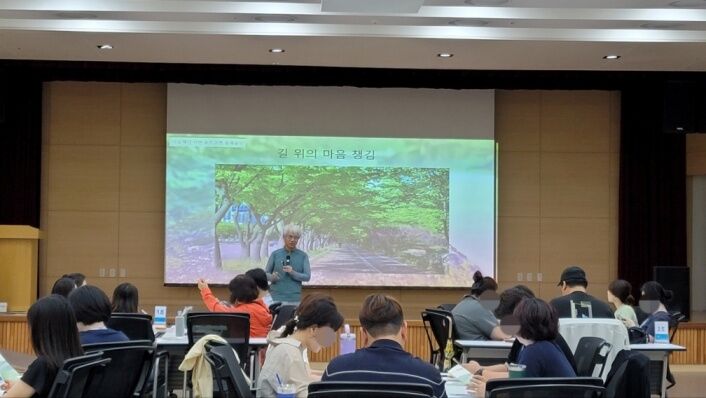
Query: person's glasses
[(292, 237)]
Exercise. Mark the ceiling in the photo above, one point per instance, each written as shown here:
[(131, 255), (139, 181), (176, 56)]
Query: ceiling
[(480, 34)]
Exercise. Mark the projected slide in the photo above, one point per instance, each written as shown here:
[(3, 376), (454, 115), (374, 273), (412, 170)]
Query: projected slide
[(374, 211)]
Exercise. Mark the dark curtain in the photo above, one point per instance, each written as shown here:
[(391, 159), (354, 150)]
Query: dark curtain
[(652, 198), (20, 150)]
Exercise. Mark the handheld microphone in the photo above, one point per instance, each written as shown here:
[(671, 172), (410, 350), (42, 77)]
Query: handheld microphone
[(288, 261)]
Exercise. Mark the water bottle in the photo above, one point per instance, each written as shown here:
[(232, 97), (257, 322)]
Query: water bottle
[(179, 324), (347, 341)]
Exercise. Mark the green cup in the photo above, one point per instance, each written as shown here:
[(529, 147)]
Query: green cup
[(516, 370)]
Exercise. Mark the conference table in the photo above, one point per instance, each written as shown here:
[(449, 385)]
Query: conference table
[(176, 346), (656, 352)]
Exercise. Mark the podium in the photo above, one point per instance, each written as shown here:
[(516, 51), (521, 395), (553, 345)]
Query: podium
[(19, 252)]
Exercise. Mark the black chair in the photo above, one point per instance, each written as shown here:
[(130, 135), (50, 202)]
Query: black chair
[(591, 352), (129, 369), (439, 325), (230, 382), (361, 389), (676, 318), (493, 384), (75, 374), (135, 326), (282, 314), (233, 327), (548, 390), (446, 307), (273, 307), (629, 376)]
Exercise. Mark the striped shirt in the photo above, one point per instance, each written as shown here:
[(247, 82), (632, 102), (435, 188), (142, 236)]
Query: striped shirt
[(384, 361)]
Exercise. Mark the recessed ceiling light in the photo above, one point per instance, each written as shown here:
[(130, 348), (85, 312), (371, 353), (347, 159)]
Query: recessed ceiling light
[(661, 25), (75, 15), (688, 4), (275, 18), (611, 56), (104, 47), (487, 2), (444, 55), (468, 22), (276, 50)]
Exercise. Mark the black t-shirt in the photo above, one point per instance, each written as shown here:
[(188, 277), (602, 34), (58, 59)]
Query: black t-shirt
[(599, 309), (40, 376)]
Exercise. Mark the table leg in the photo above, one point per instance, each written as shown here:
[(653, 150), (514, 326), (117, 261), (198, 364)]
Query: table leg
[(663, 381), (464, 355)]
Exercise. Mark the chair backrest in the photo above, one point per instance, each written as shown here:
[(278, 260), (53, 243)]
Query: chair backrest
[(548, 390), (128, 371), (630, 376), (135, 326), (273, 307), (528, 381), (590, 352), (354, 389), (282, 314), (75, 374), (446, 307), (440, 323), (233, 327), (227, 372), (676, 318)]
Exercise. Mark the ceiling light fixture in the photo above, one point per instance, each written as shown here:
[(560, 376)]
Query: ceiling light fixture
[(611, 56), (276, 50), (468, 22), (487, 3), (688, 4), (104, 47), (444, 55)]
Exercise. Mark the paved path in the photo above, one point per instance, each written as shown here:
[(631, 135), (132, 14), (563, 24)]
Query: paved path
[(348, 259)]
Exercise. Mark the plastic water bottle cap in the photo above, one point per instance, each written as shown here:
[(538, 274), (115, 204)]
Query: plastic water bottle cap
[(347, 328)]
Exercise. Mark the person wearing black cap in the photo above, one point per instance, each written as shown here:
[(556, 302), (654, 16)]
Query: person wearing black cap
[(574, 301)]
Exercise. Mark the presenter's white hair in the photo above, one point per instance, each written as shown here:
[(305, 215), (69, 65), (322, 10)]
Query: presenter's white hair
[(292, 229)]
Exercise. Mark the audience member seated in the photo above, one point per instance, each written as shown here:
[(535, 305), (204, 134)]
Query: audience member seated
[(509, 299), (243, 298), (620, 295), (653, 300), (314, 326), (125, 299), (78, 277), (63, 286), (384, 358), (574, 301), (92, 309), (472, 320), (263, 286), (54, 337)]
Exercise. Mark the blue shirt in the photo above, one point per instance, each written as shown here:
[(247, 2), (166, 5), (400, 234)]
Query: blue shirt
[(102, 336), (289, 285), (384, 361), (545, 359), (649, 324)]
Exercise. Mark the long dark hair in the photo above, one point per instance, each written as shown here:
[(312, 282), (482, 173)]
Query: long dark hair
[(622, 289), (316, 309), (52, 327), (654, 291), (125, 298), (482, 283)]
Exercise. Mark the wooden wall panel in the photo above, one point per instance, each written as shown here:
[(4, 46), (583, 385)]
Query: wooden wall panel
[(104, 193)]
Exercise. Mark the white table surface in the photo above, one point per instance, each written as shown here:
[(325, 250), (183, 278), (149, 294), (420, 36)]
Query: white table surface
[(170, 338)]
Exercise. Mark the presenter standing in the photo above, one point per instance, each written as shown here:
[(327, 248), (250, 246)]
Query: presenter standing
[(287, 268)]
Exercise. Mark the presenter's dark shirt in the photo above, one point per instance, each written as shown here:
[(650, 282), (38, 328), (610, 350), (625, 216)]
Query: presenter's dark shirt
[(40, 376), (384, 361), (102, 336), (599, 309)]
